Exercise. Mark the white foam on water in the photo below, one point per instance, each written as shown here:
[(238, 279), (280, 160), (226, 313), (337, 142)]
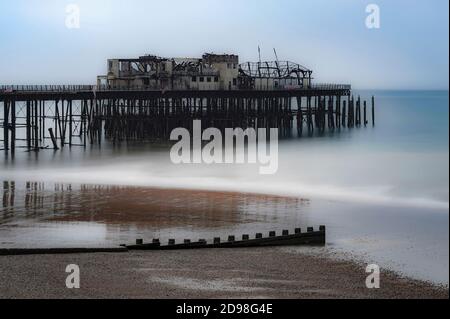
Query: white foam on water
[(236, 178)]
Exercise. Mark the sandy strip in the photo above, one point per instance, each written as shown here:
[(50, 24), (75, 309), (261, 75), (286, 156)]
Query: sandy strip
[(143, 206), (241, 273)]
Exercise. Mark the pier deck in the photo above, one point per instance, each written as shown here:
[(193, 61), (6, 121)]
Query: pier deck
[(80, 92)]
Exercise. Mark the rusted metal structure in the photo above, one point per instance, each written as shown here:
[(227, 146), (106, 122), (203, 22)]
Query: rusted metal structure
[(274, 75)]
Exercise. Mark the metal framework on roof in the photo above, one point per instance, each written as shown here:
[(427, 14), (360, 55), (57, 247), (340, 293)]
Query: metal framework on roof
[(145, 58), (140, 66), (151, 65), (274, 69)]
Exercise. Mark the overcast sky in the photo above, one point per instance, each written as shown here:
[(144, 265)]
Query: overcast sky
[(410, 50)]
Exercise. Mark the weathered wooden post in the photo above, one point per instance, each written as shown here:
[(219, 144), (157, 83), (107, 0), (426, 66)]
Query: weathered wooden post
[(343, 113), (13, 126), (359, 110), (365, 113), (52, 137), (351, 114), (333, 125), (36, 126), (84, 115), (373, 110), (6, 124), (299, 117), (310, 119), (28, 125), (338, 111), (70, 123), (42, 116), (62, 125), (56, 119)]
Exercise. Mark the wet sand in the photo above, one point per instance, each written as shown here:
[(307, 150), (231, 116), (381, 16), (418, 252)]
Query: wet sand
[(143, 206), (240, 273), (65, 215), (155, 207)]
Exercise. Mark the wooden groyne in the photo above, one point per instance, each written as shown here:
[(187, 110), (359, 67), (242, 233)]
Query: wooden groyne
[(310, 237), (58, 251), (58, 116)]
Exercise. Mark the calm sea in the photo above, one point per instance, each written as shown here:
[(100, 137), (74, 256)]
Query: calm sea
[(382, 191)]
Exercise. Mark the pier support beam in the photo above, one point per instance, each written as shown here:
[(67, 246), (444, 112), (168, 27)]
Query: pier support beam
[(6, 125), (134, 116), (373, 111)]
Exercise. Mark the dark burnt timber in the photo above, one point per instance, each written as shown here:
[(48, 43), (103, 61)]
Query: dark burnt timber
[(310, 237), (58, 251), (87, 92), (39, 117)]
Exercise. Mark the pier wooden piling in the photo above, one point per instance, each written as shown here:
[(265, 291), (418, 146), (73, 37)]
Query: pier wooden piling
[(365, 113), (53, 139), (373, 111), (82, 115)]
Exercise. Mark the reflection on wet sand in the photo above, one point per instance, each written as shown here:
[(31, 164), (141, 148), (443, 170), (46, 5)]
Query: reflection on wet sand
[(118, 212)]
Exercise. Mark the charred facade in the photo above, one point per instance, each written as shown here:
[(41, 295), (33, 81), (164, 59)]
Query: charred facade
[(211, 72)]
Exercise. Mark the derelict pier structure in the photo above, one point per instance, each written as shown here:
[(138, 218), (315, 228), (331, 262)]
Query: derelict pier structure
[(147, 97)]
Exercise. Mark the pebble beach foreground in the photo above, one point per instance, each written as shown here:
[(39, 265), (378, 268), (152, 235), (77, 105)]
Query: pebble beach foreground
[(271, 272)]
